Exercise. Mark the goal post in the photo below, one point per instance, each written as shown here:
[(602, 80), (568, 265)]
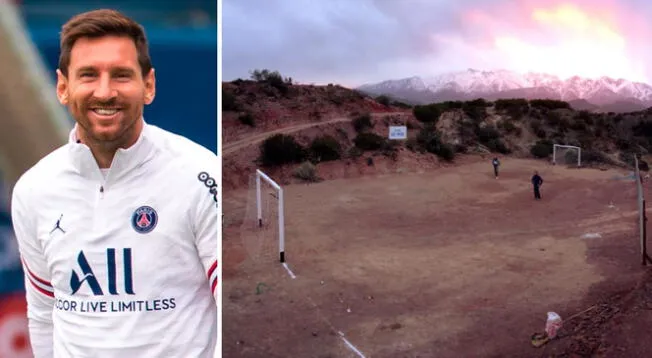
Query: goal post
[(562, 151), (260, 177)]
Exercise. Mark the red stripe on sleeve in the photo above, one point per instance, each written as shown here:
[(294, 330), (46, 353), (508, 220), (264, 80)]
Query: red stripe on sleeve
[(40, 289), (213, 285), (34, 276), (212, 269)]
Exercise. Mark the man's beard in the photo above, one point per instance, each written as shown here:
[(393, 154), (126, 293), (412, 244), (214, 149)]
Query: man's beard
[(104, 139)]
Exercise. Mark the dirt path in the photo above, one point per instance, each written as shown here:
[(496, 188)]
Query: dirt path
[(228, 148)]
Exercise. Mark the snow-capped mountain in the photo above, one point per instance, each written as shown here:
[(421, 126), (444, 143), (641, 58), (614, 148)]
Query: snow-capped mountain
[(471, 84)]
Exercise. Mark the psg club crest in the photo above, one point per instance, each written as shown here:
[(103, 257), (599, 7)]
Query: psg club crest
[(144, 219)]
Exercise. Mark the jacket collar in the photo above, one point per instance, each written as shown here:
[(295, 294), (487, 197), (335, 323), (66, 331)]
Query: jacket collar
[(124, 161)]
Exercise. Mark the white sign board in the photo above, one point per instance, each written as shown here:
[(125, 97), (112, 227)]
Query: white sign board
[(397, 132)]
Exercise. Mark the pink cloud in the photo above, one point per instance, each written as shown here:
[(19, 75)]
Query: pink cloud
[(590, 38)]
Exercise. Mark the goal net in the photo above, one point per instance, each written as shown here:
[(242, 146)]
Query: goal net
[(566, 155), (263, 233)]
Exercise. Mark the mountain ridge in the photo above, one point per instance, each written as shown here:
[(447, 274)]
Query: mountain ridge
[(602, 94)]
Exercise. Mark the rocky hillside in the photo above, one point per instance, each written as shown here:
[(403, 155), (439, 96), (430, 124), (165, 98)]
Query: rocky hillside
[(330, 132), (251, 107)]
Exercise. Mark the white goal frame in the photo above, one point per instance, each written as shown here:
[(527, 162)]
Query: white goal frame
[(554, 153), (281, 205)]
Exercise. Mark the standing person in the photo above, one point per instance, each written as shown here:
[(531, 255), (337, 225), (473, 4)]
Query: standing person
[(117, 229), (537, 181), (496, 163)]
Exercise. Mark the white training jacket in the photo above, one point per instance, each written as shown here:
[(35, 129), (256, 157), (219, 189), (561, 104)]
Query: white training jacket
[(121, 262)]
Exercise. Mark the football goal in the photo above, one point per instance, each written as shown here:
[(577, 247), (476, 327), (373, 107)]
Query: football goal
[(279, 217), (566, 154)]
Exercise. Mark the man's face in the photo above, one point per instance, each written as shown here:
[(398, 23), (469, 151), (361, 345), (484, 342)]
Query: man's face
[(105, 91)]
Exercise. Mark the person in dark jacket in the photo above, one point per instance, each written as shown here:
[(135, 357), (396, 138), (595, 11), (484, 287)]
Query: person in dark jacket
[(496, 163), (537, 181)]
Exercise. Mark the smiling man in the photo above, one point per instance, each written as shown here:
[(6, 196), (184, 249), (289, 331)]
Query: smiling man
[(117, 229)]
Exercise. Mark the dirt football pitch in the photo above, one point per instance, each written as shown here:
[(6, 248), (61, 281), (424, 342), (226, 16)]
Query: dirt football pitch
[(446, 263)]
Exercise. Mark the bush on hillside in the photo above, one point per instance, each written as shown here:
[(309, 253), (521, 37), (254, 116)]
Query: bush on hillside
[(362, 123), (430, 140), (514, 107), (427, 114), (550, 104), (542, 149), (487, 133), (497, 145), (325, 148), (384, 100), (247, 119), (306, 171), (229, 102), (476, 111), (281, 149), (595, 157), (272, 78), (369, 141)]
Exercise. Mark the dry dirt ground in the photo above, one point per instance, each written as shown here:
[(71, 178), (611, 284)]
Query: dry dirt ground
[(447, 263)]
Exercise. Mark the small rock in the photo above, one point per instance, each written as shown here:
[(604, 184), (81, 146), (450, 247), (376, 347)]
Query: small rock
[(315, 334)]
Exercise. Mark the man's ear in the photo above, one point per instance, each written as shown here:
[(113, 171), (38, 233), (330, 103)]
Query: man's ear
[(62, 88), (150, 87)]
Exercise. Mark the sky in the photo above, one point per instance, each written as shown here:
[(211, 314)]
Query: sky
[(353, 42)]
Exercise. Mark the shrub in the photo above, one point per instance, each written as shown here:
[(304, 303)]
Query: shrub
[(446, 152), (325, 148), (362, 123), (643, 129), (384, 100), (448, 105), (510, 128), (542, 149), (390, 149), (281, 149), (430, 140), (627, 158), (497, 145), (466, 132), (247, 119), (579, 125), (479, 102), (487, 133), (550, 104), (355, 152), (476, 112), (369, 141), (229, 102), (593, 156), (585, 116), (427, 114), (623, 144), (514, 107), (306, 171), (273, 78)]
